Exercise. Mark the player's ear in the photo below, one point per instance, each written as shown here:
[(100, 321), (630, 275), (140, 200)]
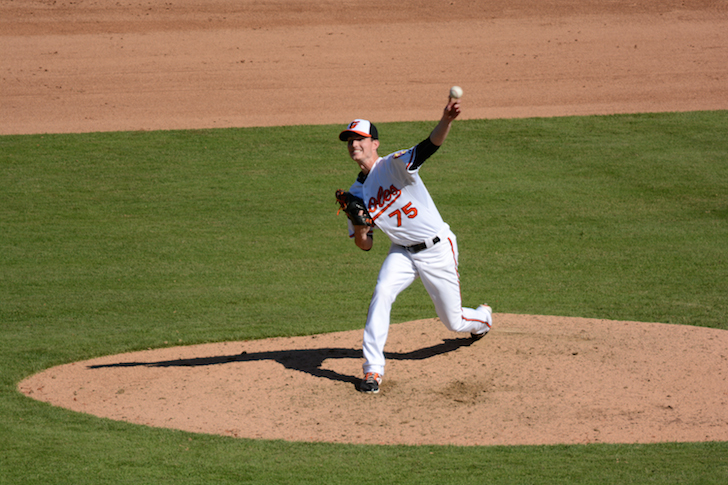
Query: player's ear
[(375, 144)]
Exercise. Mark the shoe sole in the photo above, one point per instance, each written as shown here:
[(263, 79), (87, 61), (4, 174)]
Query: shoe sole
[(477, 336)]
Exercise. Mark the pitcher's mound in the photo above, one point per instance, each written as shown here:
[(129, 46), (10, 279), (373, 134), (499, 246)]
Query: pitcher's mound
[(532, 380)]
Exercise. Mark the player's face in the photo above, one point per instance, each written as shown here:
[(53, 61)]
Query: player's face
[(362, 150)]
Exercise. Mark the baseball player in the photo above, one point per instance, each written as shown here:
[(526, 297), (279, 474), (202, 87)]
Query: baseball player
[(390, 195)]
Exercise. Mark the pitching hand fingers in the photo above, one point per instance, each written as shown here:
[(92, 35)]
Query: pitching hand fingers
[(452, 110)]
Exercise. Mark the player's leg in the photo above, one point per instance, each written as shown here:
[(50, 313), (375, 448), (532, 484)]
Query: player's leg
[(396, 274), (438, 269)]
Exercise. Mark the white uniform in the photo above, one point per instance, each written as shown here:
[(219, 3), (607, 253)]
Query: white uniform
[(403, 209)]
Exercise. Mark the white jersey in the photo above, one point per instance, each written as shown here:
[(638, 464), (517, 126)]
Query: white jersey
[(398, 200)]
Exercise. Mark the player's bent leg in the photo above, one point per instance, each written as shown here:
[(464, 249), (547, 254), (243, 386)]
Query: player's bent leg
[(438, 271), (476, 321)]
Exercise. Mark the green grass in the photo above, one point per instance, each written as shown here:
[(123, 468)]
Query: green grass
[(112, 242)]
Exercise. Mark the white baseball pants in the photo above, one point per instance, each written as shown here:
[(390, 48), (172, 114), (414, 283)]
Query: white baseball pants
[(437, 267)]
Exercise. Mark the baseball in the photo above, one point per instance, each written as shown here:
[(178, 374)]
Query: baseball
[(456, 92)]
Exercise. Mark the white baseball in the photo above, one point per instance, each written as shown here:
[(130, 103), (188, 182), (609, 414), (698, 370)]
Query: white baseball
[(456, 92)]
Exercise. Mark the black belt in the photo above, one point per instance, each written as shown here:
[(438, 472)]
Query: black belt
[(419, 247)]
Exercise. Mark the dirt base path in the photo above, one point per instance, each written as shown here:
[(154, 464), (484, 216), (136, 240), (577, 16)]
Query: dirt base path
[(88, 65)]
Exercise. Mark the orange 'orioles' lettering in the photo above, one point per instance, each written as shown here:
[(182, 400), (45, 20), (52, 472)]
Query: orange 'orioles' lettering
[(384, 196)]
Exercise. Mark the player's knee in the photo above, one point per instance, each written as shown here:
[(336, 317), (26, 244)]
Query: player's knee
[(455, 324)]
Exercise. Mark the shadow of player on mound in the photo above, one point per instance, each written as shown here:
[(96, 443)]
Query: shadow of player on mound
[(303, 360)]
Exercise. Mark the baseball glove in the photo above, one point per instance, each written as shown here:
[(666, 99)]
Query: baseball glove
[(354, 207)]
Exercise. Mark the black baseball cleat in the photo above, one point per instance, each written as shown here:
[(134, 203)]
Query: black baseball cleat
[(370, 383), (477, 336)]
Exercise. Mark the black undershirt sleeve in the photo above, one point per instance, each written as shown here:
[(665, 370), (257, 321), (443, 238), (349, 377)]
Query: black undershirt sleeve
[(423, 151)]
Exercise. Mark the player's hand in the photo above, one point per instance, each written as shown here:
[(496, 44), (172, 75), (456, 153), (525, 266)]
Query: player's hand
[(452, 110)]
